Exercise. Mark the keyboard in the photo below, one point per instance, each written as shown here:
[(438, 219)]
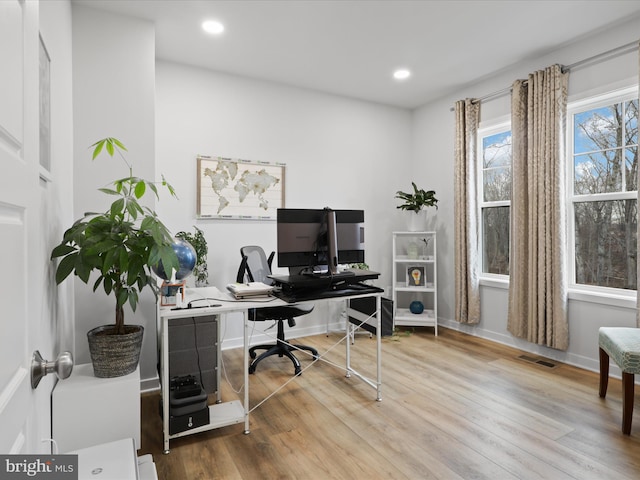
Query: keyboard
[(343, 274), (303, 295)]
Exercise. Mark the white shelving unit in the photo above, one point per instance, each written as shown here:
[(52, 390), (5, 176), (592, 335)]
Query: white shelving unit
[(414, 279)]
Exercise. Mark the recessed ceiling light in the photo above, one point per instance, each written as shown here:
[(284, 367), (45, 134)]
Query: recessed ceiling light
[(213, 26), (401, 74)]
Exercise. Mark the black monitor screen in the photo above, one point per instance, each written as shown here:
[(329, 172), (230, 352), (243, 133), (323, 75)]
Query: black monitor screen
[(303, 241)]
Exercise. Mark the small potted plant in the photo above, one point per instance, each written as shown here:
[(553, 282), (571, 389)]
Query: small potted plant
[(199, 243), (415, 202), (121, 245)]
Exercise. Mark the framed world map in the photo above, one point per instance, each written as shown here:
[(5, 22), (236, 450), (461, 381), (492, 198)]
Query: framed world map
[(239, 189)]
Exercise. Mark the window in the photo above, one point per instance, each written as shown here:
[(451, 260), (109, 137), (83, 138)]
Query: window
[(603, 134), (495, 197)]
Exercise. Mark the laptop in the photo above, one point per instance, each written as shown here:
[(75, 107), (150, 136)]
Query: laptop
[(249, 290)]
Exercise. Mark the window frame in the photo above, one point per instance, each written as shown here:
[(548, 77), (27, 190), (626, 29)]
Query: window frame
[(487, 129), (574, 108)]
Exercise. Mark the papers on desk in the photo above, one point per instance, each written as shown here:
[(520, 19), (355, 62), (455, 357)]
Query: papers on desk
[(249, 290)]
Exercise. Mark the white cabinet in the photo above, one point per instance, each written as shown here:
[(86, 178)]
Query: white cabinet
[(88, 410), (414, 281)]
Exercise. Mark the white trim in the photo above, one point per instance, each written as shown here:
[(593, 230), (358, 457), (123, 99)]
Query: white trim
[(600, 99), (11, 388), (494, 281), (603, 298), (579, 293)]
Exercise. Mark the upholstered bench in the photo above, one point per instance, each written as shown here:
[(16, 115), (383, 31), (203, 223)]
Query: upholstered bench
[(622, 345)]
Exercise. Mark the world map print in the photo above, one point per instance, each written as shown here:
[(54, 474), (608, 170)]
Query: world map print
[(231, 188)]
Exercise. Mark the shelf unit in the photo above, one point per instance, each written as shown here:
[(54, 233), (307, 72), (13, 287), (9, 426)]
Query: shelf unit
[(415, 277), (88, 411)]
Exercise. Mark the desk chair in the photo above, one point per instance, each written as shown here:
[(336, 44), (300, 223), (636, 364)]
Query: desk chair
[(255, 267)]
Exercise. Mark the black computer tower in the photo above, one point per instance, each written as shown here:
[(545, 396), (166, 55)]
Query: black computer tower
[(193, 350), (367, 306)]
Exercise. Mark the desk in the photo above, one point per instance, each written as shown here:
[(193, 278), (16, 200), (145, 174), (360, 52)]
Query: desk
[(229, 413)]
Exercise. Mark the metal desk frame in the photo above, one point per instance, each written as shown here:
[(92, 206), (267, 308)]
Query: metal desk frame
[(223, 414)]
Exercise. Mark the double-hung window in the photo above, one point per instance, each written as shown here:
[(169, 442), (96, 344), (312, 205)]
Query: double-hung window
[(603, 207), (494, 145)]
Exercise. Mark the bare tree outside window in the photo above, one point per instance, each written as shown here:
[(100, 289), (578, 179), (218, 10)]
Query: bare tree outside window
[(605, 169), (496, 200)]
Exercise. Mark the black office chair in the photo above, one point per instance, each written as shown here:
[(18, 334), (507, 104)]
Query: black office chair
[(255, 267)]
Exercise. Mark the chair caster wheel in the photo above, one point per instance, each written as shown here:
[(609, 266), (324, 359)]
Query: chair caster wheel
[(252, 369)]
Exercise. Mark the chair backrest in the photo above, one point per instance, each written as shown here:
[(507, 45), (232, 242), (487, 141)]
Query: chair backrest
[(254, 265)]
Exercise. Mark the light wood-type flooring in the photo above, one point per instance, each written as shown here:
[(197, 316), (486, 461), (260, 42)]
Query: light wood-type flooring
[(453, 407)]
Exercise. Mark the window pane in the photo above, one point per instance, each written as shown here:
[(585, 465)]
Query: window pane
[(496, 150), (631, 122), (598, 129), (597, 173), (497, 184), (495, 242), (631, 170), (606, 236)]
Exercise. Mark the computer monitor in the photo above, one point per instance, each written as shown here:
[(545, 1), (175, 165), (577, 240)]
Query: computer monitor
[(317, 240)]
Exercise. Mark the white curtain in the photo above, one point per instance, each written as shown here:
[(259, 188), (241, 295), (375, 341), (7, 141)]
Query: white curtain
[(537, 262), (467, 289)]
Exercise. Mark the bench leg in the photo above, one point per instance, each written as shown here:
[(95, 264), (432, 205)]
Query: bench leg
[(627, 401), (604, 373)]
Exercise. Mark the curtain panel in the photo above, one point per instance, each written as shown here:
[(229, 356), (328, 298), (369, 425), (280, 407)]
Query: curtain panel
[(467, 287), (638, 226), (537, 262)]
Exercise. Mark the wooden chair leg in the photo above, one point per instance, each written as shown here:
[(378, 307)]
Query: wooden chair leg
[(604, 373), (627, 401)]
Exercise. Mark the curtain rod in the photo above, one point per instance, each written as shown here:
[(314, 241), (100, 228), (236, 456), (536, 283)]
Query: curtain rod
[(609, 53)]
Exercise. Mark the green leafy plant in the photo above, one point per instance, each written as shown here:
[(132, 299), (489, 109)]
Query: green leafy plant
[(417, 200), (199, 243), (359, 266), (121, 244)]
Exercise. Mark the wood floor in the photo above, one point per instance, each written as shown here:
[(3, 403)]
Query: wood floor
[(453, 407)]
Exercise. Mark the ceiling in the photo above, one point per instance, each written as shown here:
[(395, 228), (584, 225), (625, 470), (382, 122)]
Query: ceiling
[(351, 47)]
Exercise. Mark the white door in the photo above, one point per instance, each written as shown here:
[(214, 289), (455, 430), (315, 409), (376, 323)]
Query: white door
[(24, 412)]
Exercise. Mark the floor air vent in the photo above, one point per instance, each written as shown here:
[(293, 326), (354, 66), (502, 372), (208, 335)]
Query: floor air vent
[(539, 361)]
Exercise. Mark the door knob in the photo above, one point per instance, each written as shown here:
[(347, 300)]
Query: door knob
[(40, 367)]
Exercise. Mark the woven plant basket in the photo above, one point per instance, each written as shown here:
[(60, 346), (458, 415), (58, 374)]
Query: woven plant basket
[(115, 355)]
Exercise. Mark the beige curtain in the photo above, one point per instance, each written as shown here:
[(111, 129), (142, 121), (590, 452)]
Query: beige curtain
[(467, 291), (537, 259), (638, 232)]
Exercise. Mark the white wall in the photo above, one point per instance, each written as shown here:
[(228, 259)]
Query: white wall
[(433, 141), (338, 152), (113, 96)]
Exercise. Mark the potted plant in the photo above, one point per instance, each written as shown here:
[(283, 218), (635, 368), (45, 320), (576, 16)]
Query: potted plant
[(415, 202), (121, 245), (199, 243)]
